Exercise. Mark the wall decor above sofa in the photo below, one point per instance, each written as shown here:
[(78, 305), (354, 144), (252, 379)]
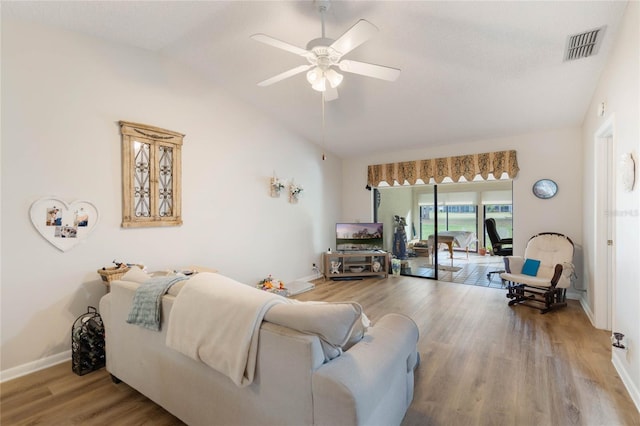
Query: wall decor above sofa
[(63, 224), (151, 176)]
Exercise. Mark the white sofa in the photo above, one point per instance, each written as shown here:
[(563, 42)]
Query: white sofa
[(371, 383)]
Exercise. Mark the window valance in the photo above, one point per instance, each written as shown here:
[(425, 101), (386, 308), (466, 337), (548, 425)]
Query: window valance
[(467, 166)]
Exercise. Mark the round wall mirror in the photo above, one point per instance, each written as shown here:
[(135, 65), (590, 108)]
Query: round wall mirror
[(545, 188)]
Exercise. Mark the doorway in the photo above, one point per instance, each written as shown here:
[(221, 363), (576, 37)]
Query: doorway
[(604, 222)]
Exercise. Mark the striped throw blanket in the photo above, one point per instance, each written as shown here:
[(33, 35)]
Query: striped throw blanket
[(147, 302)]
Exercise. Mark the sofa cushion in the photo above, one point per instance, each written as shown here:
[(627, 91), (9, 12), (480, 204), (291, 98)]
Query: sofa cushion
[(136, 275), (333, 323), (358, 332), (537, 281), (175, 289)]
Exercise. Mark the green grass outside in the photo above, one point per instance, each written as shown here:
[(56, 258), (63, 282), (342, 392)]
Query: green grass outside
[(467, 222)]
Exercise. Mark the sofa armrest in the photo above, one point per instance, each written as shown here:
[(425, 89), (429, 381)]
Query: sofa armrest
[(371, 381), (513, 264)]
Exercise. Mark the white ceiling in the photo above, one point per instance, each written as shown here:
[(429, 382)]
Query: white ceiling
[(470, 70)]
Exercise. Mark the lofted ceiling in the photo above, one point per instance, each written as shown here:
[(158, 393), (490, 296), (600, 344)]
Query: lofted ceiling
[(470, 70)]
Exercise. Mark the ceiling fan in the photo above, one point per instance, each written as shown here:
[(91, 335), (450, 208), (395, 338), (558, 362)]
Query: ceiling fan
[(325, 55)]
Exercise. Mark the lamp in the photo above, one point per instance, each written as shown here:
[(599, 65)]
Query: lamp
[(318, 78), (320, 85), (334, 77), (314, 75)]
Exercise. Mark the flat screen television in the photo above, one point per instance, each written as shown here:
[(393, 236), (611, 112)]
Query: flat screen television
[(358, 236)]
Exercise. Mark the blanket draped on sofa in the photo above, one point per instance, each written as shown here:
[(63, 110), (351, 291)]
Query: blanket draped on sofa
[(199, 325), (147, 302)]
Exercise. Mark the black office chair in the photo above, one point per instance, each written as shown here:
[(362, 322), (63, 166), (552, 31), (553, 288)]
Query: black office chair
[(497, 244)]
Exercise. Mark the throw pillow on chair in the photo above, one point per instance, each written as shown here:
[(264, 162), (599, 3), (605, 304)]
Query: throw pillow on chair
[(531, 267)]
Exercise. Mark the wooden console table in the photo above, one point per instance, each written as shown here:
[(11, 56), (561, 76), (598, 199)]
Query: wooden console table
[(356, 264)]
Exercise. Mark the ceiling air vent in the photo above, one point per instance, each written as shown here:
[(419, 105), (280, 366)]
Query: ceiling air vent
[(584, 44)]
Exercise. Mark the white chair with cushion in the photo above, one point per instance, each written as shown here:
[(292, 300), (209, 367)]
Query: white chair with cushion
[(540, 279)]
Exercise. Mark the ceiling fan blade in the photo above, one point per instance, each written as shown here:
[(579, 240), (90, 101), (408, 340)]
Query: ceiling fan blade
[(370, 70), (330, 94), (360, 32), (286, 74), (263, 38)]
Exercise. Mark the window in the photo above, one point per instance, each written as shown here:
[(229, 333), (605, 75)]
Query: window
[(503, 215), (460, 217), (151, 176)]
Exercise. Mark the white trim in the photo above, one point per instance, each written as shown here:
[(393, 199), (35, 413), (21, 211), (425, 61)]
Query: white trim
[(310, 277), (602, 287), (587, 309), (32, 367), (618, 364), (573, 295)]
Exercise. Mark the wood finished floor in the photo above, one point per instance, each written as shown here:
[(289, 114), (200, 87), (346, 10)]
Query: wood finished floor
[(483, 363), (471, 271)]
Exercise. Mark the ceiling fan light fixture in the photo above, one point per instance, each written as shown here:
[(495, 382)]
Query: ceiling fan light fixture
[(320, 85), (325, 56), (334, 77), (317, 77), (314, 75)]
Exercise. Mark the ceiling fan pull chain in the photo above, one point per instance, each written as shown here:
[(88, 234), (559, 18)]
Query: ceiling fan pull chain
[(324, 157)]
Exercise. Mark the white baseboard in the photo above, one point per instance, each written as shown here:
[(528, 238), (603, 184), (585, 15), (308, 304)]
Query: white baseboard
[(572, 296), (309, 277), (32, 367), (587, 310), (619, 365), (616, 360)]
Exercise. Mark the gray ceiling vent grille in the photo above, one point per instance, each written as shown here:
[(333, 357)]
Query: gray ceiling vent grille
[(584, 44)]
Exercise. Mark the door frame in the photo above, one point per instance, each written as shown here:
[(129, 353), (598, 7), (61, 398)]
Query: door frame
[(604, 282)]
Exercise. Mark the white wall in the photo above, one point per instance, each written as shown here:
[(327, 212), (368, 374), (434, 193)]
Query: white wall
[(554, 154), (394, 203), (62, 97), (619, 88)]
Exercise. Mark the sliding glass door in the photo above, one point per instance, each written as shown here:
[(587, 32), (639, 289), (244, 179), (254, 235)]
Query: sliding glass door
[(456, 217), (400, 210), (453, 214), (444, 219)]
